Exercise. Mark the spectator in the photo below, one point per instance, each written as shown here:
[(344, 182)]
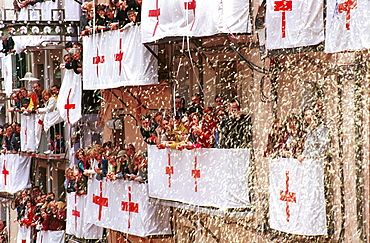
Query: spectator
[(196, 104), (180, 106), (236, 129), (157, 118), (55, 91), (38, 91), (276, 140), (147, 129), (220, 115), (295, 137), (17, 101), (3, 232), (50, 102), (219, 102)]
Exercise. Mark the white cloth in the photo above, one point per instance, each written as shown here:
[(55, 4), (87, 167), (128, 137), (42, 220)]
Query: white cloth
[(297, 195), (122, 60), (125, 208), (343, 35), (14, 172), (193, 18), (7, 70), (49, 236), (24, 233), (21, 42), (30, 132), (222, 180), (69, 99), (304, 23), (76, 222), (32, 12)]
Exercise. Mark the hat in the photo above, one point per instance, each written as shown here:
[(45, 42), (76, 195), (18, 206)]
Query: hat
[(121, 153)]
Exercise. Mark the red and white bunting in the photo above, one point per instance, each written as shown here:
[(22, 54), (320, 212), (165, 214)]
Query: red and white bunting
[(346, 29), (297, 201), (167, 18), (294, 23), (124, 206), (69, 99), (204, 177), (113, 59)]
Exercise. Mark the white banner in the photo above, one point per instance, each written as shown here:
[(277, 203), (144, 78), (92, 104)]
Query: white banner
[(167, 18), (15, 172), (48, 236), (31, 132), (76, 222), (39, 11), (347, 25), (113, 59), (69, 99), (204, 177), (24, 234), (297, 200), (7, 71), (294, 23), (124, 206), (21, 42)]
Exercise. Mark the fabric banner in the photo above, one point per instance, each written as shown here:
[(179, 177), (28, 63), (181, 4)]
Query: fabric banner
[(76, 222), (7, 70), (294, 23), (15, 172), (347, 25), (24, 234), (70, 96), (31, 132), (124, 206), (113, 59), (39, 11), (204, 177), (168, 18), (57, 236), (297, 200), (21, 42), (51, 118)]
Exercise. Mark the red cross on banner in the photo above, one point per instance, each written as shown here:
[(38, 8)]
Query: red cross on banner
[(195, 174), (169, 169), (5, 172), (98, 59), (119, 56), (283, 6), (191, 6), (75, 212), (130, 206), (24, 241), (287, 196), (347, 6), (68, 105), (100, 200), (155, 13)]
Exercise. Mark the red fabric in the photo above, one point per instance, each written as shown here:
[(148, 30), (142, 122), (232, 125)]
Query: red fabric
[(29, 219)]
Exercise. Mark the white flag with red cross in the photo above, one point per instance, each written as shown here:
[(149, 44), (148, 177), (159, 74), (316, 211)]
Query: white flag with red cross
[(294, 23), (347, 25), (297, 200), (69, 99), (113, 59), (76, 222), (203, 177), (15, 170), (168, 18), (124, 206)]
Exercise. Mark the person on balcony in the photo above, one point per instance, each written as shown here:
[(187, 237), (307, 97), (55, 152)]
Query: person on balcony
[(17, 102), (180, 106), (196, 105), (147, 129), (316, 144), (9, 141), (50, 104), (38, 91), (236, 129), (293, 146), (55, 91)]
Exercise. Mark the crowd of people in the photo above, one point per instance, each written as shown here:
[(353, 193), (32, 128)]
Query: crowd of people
[(38, 211), (221, 126), (38, 101), (106, 161), (299, 136), (119, 14)]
